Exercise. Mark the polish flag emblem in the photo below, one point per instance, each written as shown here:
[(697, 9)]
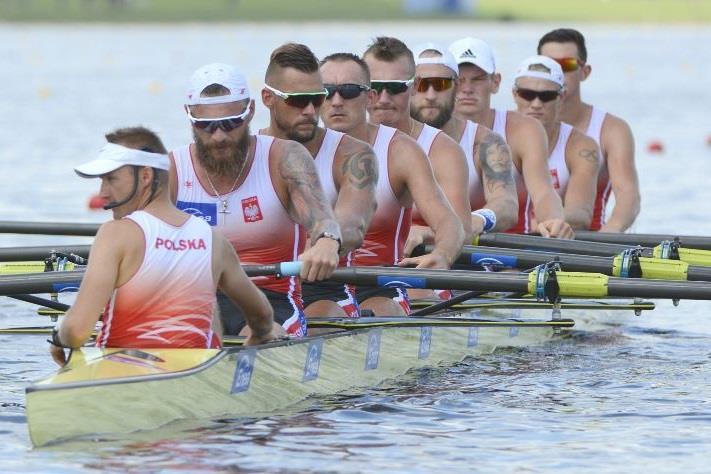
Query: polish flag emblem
[(251, 210)]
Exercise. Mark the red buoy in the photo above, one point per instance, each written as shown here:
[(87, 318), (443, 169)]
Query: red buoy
[(655, 146), (97, 203)]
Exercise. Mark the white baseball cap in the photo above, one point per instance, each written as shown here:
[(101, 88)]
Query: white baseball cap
[(554, 73), (113, 156), (445, 58), (217, 73), (474, 51)]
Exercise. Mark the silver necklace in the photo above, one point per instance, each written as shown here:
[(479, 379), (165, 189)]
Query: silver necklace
[(224, 204)]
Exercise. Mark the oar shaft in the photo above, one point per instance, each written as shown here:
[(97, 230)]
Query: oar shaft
[(645, 240), (659, 289), (531, 242), (525, 259), (21, 254), (49, 228)]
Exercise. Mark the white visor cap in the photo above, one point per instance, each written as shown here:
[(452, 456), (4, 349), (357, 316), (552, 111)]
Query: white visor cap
[(222, 74), (474, 51), (445, 58), (112, 157), (554, 73)]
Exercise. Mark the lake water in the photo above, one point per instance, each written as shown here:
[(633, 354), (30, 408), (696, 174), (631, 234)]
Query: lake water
[(630, 398)]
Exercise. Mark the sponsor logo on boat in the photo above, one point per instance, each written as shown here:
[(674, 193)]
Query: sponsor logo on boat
[(206, 211), (401, 282), (243, 371), (425, 342), (251, 210), (489, 261), (473, 337), (313, 360), (373, 353), (180, 244)]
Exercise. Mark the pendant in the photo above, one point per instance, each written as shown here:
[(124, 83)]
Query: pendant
[(224, 207)]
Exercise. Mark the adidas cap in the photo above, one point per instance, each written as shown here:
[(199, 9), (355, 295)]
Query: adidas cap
[(474, 51)]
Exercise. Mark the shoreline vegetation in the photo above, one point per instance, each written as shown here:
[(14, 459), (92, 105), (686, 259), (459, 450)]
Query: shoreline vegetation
[(179, 11)]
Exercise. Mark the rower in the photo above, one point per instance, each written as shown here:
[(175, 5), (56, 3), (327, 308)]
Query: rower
[(347, 167), (618, 174), (153, 270), (262, 192), (405, 177), (573, 156), (478, 80), (492, 192)]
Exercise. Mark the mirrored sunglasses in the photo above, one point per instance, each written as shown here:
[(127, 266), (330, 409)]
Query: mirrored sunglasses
[(346, 91), (227, 124), (530, 95), (569, 64), (391, 87), (300, 100), (439, 84)]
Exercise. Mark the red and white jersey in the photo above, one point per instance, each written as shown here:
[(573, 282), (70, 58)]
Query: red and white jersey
[(499, 125), (604, 189), (255, 221), (425, 139), (477, 197), (324, 163), (560, 175), (169, 302), (384, 242)]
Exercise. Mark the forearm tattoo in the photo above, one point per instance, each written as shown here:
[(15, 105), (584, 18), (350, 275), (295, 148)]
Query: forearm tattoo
[(360, 168), (496, 164)]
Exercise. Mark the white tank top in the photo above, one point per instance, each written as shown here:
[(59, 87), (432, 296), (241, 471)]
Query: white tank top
[(499, 125), (427, 137), (476, 187), (257, 225), (385, 240), (560, 175), (604, 188), (324, 163), (169, 301)]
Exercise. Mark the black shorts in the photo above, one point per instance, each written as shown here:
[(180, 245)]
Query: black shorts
[(286, 312)]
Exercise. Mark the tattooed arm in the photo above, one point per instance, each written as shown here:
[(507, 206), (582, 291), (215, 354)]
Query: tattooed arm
[(493, 158), (355, 172), (299, 189), (583, 160)]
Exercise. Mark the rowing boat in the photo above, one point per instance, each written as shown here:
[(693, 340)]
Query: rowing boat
[(112, 392)]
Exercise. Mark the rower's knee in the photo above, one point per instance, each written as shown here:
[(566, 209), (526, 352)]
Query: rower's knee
[(324, 309)]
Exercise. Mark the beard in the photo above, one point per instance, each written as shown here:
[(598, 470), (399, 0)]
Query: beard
[(439, 120), (298, 136), (210, 159)]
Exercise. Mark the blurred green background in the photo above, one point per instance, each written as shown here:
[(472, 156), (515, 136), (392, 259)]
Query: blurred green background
[(650, 11)]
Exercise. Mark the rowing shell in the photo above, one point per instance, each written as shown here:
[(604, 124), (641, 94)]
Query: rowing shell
[(118, 391)]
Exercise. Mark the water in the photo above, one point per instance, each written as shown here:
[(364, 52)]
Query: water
[(630, 398)]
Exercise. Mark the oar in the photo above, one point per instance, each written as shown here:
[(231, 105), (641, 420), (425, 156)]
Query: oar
[(21, 254), (645, 240), (626, 265), (49, 228), (532, 242), (41, 302)]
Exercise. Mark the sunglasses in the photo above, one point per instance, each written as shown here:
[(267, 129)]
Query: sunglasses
[(423, 84), (227, 124), (569, 64), (300, 100), (392, 87), (346, 91), (530, 95)]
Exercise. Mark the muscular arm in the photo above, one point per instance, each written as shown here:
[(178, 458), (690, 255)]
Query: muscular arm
[(618, 146), (494, 159), (100, 279), (356, 176), (234, 283), (583, 161), (414, 175), (299, 189)]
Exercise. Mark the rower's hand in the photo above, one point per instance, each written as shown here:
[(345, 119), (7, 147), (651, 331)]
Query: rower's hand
[(430, 260), (320, 260), (418, 235), (556, 228), (255, 338), (58, 355)]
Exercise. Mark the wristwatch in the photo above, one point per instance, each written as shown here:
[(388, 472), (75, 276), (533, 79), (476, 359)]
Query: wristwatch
[(331, 236)]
